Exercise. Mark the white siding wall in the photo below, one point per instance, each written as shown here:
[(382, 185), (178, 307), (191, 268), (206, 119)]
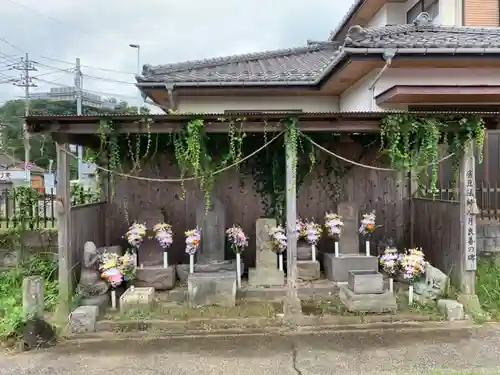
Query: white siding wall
[(219, 104), (360, 98)]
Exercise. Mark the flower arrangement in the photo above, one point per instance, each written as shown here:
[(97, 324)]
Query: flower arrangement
[(390, 261), (237, 238), (193, 238), (116, 269), (135, 234), (300, 228), (412, 264), (163, 234), (278, 239), (333, 224), (367, 224), (312, 232)]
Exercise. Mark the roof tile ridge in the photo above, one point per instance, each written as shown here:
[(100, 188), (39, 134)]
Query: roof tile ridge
[(233, 59)]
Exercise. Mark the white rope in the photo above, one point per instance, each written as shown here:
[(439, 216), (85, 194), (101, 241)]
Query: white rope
[(181, 179), (364, 165)]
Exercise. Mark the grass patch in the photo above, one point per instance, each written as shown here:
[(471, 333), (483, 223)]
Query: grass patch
[(11, 281), (182, 312), (488, 286)]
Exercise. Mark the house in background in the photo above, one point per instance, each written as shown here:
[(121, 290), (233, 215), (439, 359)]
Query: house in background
[(385, 54), (13, 173)]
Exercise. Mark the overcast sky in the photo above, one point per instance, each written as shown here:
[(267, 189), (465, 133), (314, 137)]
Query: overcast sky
[(99, 32)]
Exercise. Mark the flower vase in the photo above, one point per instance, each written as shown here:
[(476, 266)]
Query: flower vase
[(367, 247), (113, 299), (165, 259), (191, 263), (410, 295), (391, 284), (313, 253), (238, 269), (280, 261), (337, 252)]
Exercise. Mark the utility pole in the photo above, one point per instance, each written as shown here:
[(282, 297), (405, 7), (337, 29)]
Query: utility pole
[(79, 110), (26, 66)]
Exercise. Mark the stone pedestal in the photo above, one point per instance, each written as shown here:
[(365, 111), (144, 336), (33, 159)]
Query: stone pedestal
[(266, 277), (83, 319), (102, 302), (337, 268), (206, 289), (365, 282), (215, 267), (159, 278), (451, 309), (308, 270), (137, 298), (368, 303)]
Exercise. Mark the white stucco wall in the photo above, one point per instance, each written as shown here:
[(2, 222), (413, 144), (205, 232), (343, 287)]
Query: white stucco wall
[(219, 104), (360, 98), (450, 13)]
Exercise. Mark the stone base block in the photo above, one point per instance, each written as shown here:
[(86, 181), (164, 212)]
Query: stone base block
[(137, 298), (206, 289), (308, 270), (83, 319), (102, 302), (337, 268), (159, 278), (229, 265), (266, 277), (451, 309), (369, 303), (365, 282)]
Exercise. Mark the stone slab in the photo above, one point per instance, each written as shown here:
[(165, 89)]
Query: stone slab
[(102, 302), (451, 309), (349, 240), (83, 319), (229, 266), (265, 257), (308, 270), (137, 298), (366, 282), (266, 277), (33, 297), (337, 268), (159, 278), (368, 303), (213, 227), (207, 289)]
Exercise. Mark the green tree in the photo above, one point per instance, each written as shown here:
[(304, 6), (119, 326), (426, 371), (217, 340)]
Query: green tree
[(42, 147)]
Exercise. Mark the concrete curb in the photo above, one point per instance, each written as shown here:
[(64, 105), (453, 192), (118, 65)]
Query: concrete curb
[(461, 328)]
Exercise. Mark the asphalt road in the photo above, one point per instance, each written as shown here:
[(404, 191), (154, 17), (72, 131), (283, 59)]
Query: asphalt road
[(346, 354)]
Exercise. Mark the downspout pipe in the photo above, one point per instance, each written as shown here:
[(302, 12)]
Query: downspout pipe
[(388, 56)]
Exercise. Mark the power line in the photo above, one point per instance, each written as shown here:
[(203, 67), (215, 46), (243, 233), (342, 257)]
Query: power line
[(10, 44), (88, 66), (109, 80)]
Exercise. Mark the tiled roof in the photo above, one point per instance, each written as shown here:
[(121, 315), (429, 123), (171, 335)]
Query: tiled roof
[(423, 36), (300, 65)]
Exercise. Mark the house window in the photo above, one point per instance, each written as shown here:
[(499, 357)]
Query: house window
[(428, 6)]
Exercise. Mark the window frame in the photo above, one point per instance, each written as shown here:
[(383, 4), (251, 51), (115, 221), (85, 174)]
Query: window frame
[(422, 6)]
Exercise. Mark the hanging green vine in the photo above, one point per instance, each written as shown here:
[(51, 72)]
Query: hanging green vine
[(412, 142), (194, 153), (292, 143)]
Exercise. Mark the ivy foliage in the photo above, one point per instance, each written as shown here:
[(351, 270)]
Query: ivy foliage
[(412, 142)]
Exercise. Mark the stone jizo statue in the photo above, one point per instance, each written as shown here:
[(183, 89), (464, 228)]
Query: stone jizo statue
[(91, 284)]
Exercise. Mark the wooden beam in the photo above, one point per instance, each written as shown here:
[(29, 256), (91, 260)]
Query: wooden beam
[(292, 305), (468, 212), (63, 210), (340, 125)]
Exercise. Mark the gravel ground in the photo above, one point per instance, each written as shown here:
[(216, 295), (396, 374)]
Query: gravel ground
[(384, 353)]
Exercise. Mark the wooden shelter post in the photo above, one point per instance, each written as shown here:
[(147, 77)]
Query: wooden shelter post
[(292, 305), (63, 226), (468, 212)]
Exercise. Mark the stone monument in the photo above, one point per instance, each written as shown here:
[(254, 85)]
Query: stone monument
[(365, 292), (337, 268), (266, 273), (433, 286), (150, 271), (210, 256), (93, 290)]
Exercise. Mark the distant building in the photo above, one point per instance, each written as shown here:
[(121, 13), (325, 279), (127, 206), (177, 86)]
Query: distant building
[(13, 173), (61, 94)]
